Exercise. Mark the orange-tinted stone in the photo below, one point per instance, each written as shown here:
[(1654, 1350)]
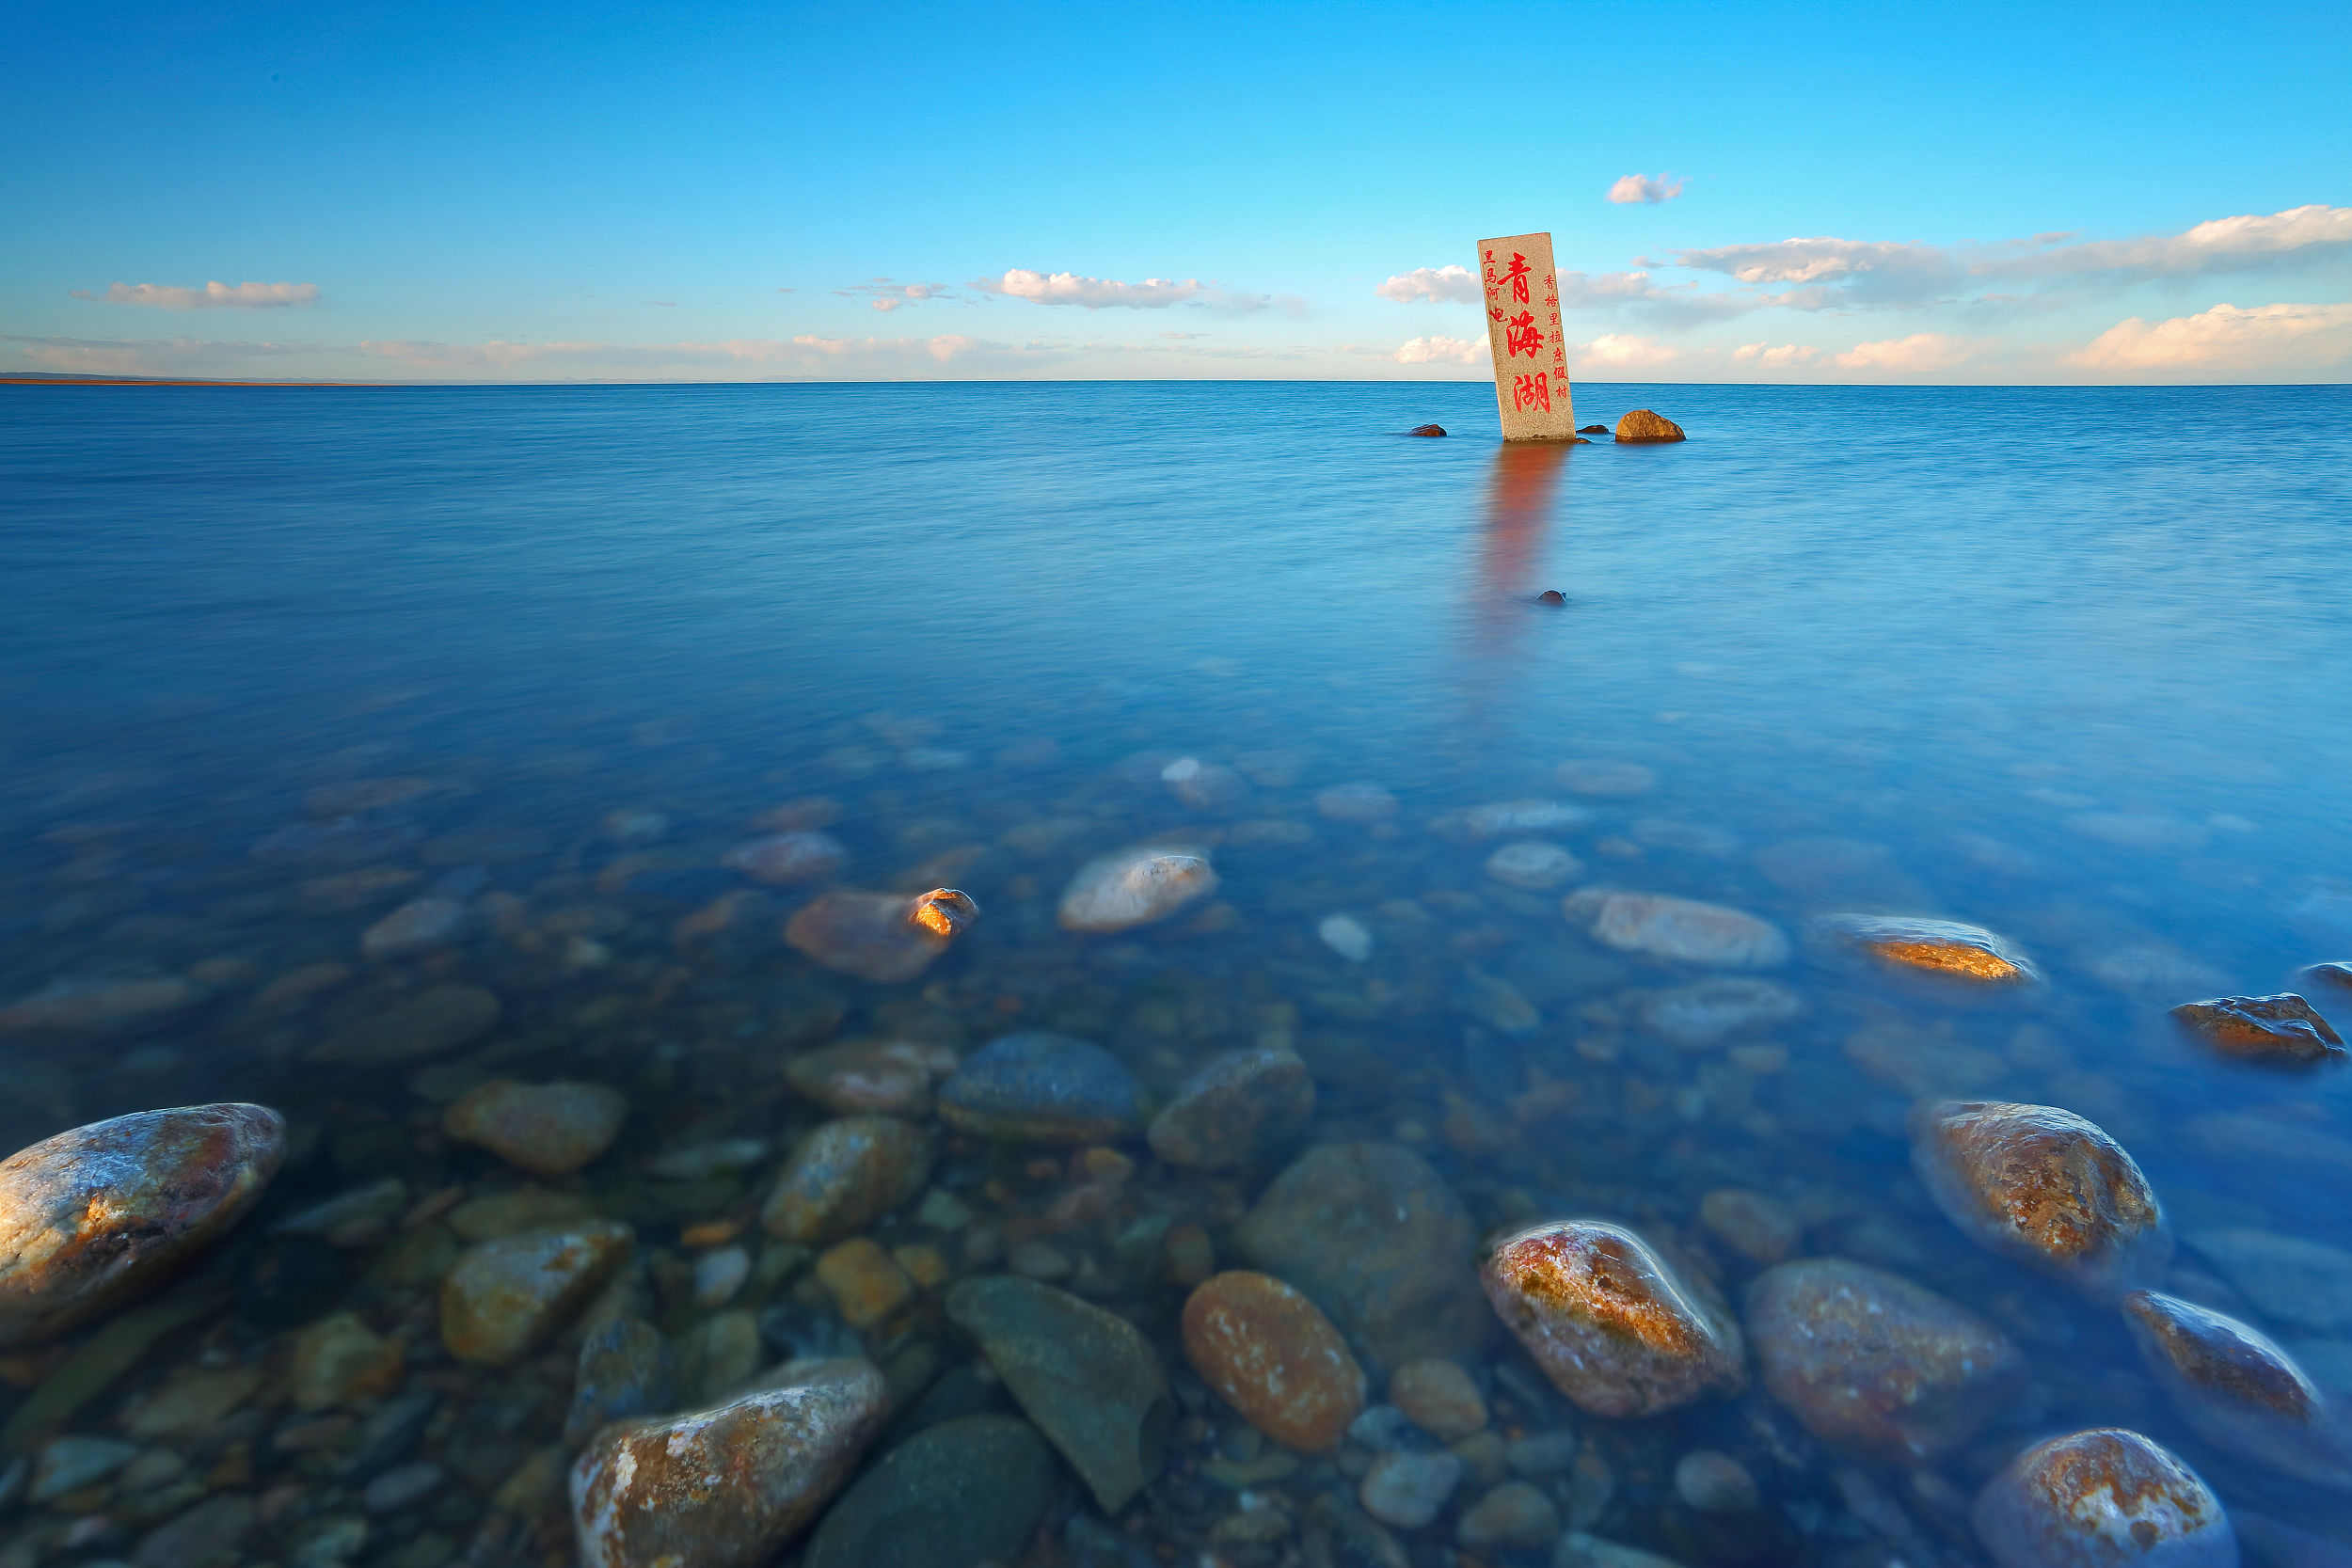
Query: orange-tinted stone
[(1943, 947), (2105, 1498), (502, 1298), (2276, 1031), (2240, 1390), (882, 937), (867, 1285), (551, 1128), (1272, 1354)]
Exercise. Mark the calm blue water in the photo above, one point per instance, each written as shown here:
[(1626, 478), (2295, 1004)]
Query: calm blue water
[(2068, 663)]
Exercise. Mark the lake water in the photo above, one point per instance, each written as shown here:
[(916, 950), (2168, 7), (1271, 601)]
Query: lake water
[(2064, 663)]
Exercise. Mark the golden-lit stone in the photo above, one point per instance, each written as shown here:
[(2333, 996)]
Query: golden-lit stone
[(2043, 1186), (1272, 1354), (882, 937), (2277, 1031), (1946, 949), (2102, 1500), (2240, 1390), (1643, 425), (867, 1285)]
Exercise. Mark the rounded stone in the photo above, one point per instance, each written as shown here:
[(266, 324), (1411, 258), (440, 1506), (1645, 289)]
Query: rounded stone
[(502, 1298), (883, 1077), (1605, 778), (1240, 1107), (1036, 1087), (415, 927), (1134, 887), (94, 1217), (1514, 1517), (2240, 1390), (2043, 1186), (1643, 426), (436, 1020), (1356, 802), (625, 1370), (1699, 1015), (1428, 430), (2105, 1498), (2273, 1031), (1535, 865), (1715, 1483), (1373, 1236), (1439, 1398), (1407, 1489), (1615, 1328), (99, 1007), (1759, 1228), (553, 1129), (845, 1176), (1680, 930), (884, 937), (1272, 1354), (964, 1493), (781, 860), (1872, 1363), (729, 1486), (1946, 948), (340, 1360)]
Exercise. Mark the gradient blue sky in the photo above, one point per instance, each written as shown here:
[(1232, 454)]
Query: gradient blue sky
[(1990, 192)]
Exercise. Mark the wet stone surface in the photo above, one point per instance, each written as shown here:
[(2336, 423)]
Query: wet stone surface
[(2274, 1031), (2102, 1498)]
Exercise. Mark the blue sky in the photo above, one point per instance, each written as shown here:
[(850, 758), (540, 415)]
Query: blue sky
[(1879, 193)]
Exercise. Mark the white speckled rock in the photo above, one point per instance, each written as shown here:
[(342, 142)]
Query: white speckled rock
[(2105, 1498), (726, 1487), (1134, 887), (1682, 930)]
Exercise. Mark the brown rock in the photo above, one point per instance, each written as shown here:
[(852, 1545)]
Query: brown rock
[(2105, 1498), (502, 1298), (1426, 430), (99, 1008), (340, 1360), (1613, 1326), (845, 1176), (1439, 1398), (1134, 887), (1273, 1356), (1643, 425), (98, 1215), (2240, 1390), (2043, 1186), (868, 1286), (726, 1487), (2276, 1031), (1946, 948), (882, 937), (551, 1129), (1241, 1106), (1759, 1228), (1872, 1363), (438, 1020), (884, 1077)]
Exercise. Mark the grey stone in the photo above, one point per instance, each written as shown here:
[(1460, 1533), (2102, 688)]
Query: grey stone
[(1036, 1087), (69, 1464), (845, 1176), (1408, 1490), (397, 1489), (625, 1370), (212, 1528), (1242, 1106), (952, 1495), (2305, 1284)]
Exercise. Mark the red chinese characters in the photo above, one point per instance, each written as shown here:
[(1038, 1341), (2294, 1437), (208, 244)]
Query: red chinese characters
[(1531, 389), (1516, 275), (1521, 335)]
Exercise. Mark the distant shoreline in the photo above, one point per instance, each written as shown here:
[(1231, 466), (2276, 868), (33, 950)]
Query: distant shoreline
[(39, 380)]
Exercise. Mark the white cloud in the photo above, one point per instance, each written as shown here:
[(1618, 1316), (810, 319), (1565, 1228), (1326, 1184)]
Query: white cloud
[(1442, 350), (885, 295), (806, 353), (250, 296), (1093, 294), (2219, 244), (1921, 352), (1452, 284), (2226, 338), (1632, 188), (1622, 351), (1775, 357), (149, 355)]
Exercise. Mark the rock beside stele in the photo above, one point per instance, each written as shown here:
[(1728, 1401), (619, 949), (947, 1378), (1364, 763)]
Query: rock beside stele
[(1272, 1354), (2240, 1390), (1614, 1328), (1037, 1086), (882, 937), (95, 1216), (1681, 930), (2105, 1498), (1948, 949), (1643, 425), (1872, 1363), (2043, 1186), (502, 1298), (2274, 1031), (551, 1129), (1431, 430), (845, 1176), (1087, 1377), (1239, 1107), (1134, 887), (729, 1486)]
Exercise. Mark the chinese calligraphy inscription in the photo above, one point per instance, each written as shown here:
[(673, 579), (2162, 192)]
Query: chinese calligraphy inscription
[(1523, 328)]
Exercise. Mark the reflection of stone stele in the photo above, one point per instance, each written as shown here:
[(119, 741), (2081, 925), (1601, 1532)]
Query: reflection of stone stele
[(1522, 305)]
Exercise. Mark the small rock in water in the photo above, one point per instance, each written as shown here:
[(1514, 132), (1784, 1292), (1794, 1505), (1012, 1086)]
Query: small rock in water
[(886, 1077), (1514, 1517), (882, 937), (1356, 802), (99, 1008), (1614, 1328), (1373, 1236), (2289, 1279), (340, 1360), (867, 1284), (439, 1020), (1271, 1355), (2102, 1500), (69, 1464), (1036, 1087), (1439, 1398), (1535, 865), (2043, 1186), (1134, 887), (1643, 425), (1715, 1483), (1874, 1363), (95, 1216), (1614, 780), (1345, 935), (2336, 976), (625, 1370), (958, 1494), (1205, 786), (1407, 1489), (845, 1176), (1551, 597), (503, 1297), (1498, 818), (549, 1129), (719, 1274), (1241, 1107), (782, 860), (1682, 930), (2276, 1031), (699, 1161), (417, 927), (1432, 430), (1087, 1378), (729, 1486), (2240, 1390), (1704, 1013), (1759, 1228), (1946, 948)]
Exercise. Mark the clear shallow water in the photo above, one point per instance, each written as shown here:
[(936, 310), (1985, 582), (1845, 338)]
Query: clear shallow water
[(2063, 663)]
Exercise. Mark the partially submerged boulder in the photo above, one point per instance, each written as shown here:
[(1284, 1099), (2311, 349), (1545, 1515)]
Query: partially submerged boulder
[(1643, 425)]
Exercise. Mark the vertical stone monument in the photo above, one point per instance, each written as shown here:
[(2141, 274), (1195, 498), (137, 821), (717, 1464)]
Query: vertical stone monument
[(1523, 328)]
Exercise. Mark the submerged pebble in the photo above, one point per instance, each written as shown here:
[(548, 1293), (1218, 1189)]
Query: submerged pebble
[(1701, 1014), (1037, 1086), (549, 1129), (1681, 930), (502, 1298), (1134, 887), (884, 937), (434, 1023), (1535, 865), (1237, 1108), (889, 1077), (845, 1176), (2102, 1500), (1271, 1355), (2240, 1390), (781, 860)]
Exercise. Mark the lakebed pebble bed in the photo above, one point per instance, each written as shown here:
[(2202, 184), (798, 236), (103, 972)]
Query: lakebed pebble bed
[(1208, 1159)]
